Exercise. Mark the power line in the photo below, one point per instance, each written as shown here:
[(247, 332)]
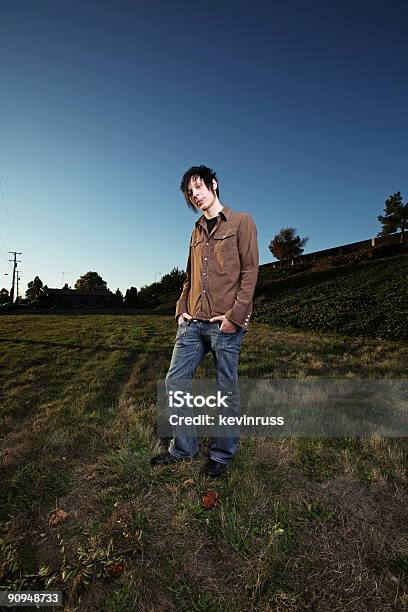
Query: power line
[(2, 197), (4, 255)]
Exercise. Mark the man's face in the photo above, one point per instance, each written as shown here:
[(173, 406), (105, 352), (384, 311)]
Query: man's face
[(200, 195)]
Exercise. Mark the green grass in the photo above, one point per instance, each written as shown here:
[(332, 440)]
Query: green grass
[(77, 418)]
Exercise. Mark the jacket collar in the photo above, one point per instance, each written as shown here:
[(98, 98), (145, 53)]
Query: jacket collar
[(225, 213)]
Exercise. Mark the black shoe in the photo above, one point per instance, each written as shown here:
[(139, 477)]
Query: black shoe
[(213, 468), (165, 459)]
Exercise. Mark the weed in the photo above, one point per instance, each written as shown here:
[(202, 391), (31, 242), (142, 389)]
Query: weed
[(188, 599), (316, 511)]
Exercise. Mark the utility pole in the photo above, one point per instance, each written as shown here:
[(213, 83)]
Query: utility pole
[(18, 279), (63, 274), (15, 262)]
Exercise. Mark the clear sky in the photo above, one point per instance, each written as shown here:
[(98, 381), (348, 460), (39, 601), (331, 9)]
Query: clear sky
[(300, 106)]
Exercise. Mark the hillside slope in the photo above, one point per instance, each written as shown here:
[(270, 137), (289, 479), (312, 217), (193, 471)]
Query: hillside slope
[(364, 299)]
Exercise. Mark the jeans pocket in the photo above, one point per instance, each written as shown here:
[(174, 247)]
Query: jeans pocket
[(182, 329), (226, 333)]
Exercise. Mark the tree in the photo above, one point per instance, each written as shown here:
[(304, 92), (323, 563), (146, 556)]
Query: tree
[(4, 296), (34, 289), (395, 217), (148, 295), (119, 298), (91, 281), (171, 281), (131, 298), (287, 245)]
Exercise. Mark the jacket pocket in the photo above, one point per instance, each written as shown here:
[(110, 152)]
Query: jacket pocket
[(226, 242)]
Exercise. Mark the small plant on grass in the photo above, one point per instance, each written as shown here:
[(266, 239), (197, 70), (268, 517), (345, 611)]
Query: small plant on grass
[(72, 577)]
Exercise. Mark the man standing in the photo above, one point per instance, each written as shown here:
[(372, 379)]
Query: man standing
[(215, 305)]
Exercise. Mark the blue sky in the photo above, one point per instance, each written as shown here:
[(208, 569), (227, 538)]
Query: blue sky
[(300, 107)]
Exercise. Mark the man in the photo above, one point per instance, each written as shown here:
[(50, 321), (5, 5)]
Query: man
[(214, 308)]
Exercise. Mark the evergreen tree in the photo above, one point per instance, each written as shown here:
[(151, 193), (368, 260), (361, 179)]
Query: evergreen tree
[(395, 217), (34, 289), (131, 298)]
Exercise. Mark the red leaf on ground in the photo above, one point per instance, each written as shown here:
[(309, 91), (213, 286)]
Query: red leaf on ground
[(209, 500), (115, 568)]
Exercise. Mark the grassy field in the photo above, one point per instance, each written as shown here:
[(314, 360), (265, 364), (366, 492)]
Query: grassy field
[(317, 524)]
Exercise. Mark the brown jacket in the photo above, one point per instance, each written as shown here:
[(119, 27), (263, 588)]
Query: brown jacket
[(222, 269)]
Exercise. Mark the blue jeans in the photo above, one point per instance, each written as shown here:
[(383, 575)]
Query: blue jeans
[(193, 341)]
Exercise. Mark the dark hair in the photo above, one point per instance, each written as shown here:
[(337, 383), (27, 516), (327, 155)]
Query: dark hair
[(202, 172)]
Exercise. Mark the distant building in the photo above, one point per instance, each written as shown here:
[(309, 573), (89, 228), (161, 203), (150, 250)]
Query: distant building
[(344, 249), (78, 298)]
